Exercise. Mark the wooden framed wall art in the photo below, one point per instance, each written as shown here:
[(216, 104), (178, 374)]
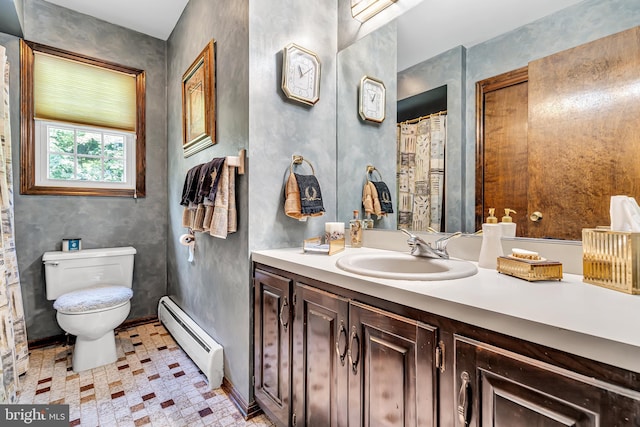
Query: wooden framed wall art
[(199, 102)]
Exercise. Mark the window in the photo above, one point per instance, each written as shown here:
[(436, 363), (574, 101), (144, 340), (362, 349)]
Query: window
[(82, 125), (86, 157)]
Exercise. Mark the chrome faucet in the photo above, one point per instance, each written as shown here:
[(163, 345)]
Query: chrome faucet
[(421, 248)]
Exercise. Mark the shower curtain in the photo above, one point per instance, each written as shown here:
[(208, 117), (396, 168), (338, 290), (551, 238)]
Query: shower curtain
[(14, 354), (420, 169)]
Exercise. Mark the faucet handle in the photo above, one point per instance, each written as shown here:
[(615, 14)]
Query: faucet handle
[(441, 243), (405, 231)]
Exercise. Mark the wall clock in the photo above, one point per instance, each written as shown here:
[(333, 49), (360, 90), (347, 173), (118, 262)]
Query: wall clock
[(300, 74), (371, 100)]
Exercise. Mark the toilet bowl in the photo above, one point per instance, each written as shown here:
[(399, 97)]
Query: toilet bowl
[(92, 290)]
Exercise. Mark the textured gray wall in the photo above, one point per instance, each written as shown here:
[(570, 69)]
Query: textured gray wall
[(445, 69), (363, 143), (43, 221), (582, 23), (279, 127), (215, 288)]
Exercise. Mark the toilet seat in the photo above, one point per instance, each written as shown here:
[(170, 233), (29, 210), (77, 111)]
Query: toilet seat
[(93, 300)]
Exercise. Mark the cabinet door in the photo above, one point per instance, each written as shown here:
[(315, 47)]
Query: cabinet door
[(391, 378), (320, 370), (272, 342), (498, 388)]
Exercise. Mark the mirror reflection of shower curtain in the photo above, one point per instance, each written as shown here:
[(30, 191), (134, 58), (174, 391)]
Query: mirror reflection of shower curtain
[(14, 354), (420, 169)]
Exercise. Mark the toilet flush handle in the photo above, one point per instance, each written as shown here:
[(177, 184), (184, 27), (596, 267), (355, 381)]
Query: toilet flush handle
[(54, 263)]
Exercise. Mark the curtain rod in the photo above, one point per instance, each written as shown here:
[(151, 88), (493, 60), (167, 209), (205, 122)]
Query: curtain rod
[(416, 120)]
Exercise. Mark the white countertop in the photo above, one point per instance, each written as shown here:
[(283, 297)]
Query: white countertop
[(569, 315)]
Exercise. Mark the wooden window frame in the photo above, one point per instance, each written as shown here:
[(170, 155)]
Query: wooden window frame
[(27, 126)]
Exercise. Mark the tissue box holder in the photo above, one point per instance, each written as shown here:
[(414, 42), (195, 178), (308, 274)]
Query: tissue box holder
[(611, 259)]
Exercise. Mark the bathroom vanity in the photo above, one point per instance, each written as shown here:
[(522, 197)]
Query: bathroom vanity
[(337, 348)]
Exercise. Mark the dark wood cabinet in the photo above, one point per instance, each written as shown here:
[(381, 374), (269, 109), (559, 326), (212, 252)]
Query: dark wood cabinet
[(327, 356), (392, 378), (320, 368), (499, 388), (350, 364), (272, 345)]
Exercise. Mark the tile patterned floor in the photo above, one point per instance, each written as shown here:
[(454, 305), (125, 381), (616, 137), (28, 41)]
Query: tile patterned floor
[(153, 383)]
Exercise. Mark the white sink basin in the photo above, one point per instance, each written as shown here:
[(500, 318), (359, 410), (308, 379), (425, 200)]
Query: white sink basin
[(402, 266)]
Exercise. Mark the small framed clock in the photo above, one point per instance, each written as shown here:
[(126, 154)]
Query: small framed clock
[(372, 100), (300, 74)]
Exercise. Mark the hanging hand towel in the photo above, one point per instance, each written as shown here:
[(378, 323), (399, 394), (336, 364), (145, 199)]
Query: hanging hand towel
[(310, 195), (293, 200), (367, 197), (190, 186), (212, 180), (292, 206), (370, 200), (384, 196), (224, 212)]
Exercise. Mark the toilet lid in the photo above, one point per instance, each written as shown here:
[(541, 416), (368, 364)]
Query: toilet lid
[(99, 298)]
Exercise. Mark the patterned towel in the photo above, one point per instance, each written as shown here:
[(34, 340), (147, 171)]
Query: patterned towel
[(310, 194), (384, 195)]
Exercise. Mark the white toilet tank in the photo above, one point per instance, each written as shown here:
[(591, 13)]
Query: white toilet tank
[(74, 270)]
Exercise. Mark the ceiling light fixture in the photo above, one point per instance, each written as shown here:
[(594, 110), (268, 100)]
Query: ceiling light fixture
[(363, 10)]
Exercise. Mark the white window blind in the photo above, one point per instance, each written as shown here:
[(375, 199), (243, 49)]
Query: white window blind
[(74, 92)]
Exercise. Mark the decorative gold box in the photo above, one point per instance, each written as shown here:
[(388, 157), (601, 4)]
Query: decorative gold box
[(531, 270), (317, 245), (610, 259)]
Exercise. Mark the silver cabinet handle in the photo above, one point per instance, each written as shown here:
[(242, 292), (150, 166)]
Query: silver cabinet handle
[(342, 354), (354, 337), (284, 307), (464, 400)]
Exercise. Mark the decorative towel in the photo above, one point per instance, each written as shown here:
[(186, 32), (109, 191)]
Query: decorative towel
[(310, 195), (370, 200), (188, 217), (293, 201), (211, 179), (292, 207), (384, 196), (190, 186), (224, 211), (208, 181)]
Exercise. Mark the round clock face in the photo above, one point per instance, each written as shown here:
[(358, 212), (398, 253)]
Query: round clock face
[(372, 100), (301, 74)]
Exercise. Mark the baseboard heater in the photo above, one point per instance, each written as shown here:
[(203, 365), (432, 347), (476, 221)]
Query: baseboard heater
[(199, 346)]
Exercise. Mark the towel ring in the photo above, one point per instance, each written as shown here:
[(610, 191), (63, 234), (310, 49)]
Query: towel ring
[(297, 160), (371, 170)]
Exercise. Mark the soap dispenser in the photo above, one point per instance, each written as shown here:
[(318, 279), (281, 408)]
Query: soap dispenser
[(491, 247), (355, 231), (507, 225)]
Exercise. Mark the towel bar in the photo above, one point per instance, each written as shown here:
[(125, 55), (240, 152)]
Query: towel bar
[(237, 161)]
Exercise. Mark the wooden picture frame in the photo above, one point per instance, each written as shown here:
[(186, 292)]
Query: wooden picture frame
[(199, 103)]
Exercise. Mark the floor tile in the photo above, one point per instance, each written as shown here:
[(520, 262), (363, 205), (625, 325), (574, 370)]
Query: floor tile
[(153, 383)]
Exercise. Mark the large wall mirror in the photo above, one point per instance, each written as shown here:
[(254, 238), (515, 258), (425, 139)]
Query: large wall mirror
[(390, 53)]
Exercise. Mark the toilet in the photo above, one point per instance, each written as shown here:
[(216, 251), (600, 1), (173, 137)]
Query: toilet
[(92, 293)]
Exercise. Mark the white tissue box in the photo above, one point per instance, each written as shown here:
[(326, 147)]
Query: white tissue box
[(611, 259)]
